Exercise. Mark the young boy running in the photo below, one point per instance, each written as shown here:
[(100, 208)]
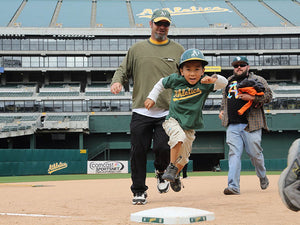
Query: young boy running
[(190, 89)]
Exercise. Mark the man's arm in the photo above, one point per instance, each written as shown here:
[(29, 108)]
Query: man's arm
[(267, 97), (222, 107), (120, 77)]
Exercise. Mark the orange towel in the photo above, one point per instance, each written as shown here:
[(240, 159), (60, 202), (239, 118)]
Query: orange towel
[(250, 91)]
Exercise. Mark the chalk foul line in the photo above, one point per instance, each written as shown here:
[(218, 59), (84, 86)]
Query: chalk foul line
[(33, 215)]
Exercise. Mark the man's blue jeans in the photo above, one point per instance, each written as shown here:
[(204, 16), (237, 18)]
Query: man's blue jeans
[(238, 139)]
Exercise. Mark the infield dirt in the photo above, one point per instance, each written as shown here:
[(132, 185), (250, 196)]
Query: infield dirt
[(108, 202)]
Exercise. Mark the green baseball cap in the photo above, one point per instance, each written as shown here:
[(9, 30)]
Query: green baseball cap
[(161, 14), (192, 54), (240, 59)]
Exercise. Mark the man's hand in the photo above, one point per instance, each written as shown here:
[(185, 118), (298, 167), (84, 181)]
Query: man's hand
[(246, 97), (115, 88), (221, 114), (149, 103)]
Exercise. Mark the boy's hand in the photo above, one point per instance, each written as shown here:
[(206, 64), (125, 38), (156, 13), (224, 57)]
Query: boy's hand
[(149, 103), (209, 80)]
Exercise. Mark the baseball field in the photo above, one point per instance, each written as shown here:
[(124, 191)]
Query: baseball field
[(106, 200)]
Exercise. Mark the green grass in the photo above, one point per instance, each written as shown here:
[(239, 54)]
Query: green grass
[(16, 179)]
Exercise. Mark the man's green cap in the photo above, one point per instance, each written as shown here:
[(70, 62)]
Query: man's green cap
[(161, 14), (240, 59)]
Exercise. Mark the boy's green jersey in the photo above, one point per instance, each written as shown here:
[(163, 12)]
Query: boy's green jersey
[(187, 100)]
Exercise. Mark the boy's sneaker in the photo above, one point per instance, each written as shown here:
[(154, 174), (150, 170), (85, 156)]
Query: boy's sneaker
[(170, 173), (163, 186), (264, 183), (230, 191), (289, 180), (139, 198), (176, 185)]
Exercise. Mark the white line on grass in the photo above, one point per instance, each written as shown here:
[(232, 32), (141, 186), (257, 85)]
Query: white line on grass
[(33, 215)]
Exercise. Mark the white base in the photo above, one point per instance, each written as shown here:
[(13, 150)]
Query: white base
[(172, 215)]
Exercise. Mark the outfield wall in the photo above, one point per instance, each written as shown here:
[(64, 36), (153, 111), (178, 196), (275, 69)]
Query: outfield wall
[(113, 132), (17, 162), (109, 140)]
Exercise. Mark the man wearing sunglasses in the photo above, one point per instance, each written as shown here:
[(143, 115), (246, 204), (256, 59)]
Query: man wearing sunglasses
[(244, 131), (146, 63)]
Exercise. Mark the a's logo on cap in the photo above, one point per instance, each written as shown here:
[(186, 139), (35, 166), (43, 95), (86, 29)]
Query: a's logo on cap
[(238, 58), (163, 13), (195, 53)]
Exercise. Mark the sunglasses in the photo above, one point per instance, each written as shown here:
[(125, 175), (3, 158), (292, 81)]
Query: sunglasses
[(162, 23), (240, 65)]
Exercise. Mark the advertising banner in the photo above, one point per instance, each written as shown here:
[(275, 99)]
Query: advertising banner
[(99, 167)]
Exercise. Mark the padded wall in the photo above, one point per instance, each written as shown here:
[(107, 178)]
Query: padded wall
[(16, 162)]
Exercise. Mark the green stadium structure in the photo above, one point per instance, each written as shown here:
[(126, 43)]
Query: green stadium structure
[(57, 59)]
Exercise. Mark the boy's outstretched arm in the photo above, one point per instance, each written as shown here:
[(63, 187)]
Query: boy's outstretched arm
[(209, 79), (219, 81)]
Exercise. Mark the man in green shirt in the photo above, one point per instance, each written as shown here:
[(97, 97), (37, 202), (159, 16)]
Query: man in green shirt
[(145, 63)]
